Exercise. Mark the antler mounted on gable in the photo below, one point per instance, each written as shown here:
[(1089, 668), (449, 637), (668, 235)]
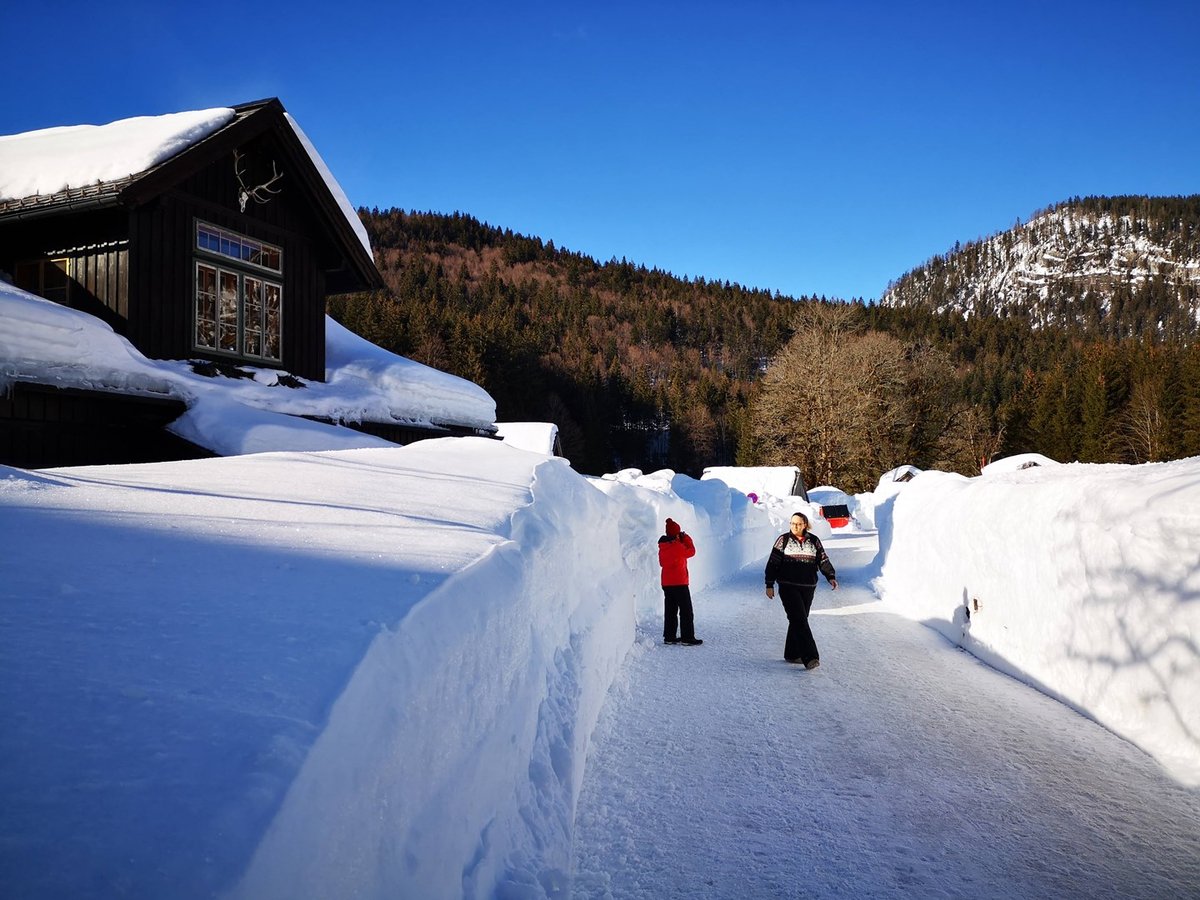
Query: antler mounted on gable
[(260, 194)]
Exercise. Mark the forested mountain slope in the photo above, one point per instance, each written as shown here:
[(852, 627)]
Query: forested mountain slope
[(636, 366), (1071, 336)]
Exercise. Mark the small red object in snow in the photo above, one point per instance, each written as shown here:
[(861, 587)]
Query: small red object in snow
[(838, 516)]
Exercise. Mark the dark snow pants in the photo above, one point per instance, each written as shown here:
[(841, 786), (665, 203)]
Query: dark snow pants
[(797, 601), (677, 612)]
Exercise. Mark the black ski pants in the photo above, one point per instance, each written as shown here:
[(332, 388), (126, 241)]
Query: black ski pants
[(797, 601), (677, 612)]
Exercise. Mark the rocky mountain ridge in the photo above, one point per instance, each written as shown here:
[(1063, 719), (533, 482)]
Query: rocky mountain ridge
[(1115, 267)]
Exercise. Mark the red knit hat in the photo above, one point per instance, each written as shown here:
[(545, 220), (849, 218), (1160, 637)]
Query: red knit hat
[(672, 528)]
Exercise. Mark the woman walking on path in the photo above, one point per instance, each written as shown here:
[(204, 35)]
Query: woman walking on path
[(675, 548), (795, 559)]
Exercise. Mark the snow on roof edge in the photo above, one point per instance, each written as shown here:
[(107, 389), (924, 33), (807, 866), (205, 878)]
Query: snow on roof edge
[(50, 160), (331, 183)]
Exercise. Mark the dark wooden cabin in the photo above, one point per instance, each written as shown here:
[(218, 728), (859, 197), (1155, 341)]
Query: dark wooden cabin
[(224, 252)]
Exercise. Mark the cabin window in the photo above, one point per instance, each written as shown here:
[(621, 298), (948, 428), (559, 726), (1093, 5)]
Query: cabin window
[(238, 311), (232, 245), (48, 278), (238, 314)]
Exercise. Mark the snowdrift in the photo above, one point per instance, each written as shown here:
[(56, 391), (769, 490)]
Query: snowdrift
[(452, 760), (370, 672), (729, 530), (1079, 579)]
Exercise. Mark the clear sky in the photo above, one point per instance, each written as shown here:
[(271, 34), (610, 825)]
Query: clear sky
[(807, 147)]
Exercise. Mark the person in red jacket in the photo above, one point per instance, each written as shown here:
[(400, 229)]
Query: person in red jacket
[(675, 548)]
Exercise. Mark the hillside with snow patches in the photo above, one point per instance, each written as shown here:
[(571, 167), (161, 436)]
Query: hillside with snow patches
[(1118, 266)]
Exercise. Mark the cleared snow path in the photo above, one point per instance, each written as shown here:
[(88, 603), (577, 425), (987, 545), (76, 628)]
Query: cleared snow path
[(902, 767)]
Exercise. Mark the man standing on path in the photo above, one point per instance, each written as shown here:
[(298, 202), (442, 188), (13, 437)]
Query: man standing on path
[(675, 548), (795, 559)]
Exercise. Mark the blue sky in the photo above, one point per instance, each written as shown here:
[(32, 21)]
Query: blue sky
[(810, 148)]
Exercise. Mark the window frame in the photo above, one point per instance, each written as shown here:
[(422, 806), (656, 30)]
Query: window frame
[(61, 264), (244, 257), (224, 266)]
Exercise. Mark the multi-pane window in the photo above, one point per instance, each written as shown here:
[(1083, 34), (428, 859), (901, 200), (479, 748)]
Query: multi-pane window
[(237, 246), (49, 278), (237, 310)]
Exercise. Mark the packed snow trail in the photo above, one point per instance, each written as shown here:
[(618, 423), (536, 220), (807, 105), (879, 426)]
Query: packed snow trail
[(902, 767)]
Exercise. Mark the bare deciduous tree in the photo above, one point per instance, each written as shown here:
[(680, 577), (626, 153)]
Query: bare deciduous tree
[(1145, 423), (847, 405), (973, 440), (830, 400)]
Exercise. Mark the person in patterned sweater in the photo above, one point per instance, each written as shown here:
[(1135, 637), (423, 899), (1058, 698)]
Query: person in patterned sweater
[(795, 559)]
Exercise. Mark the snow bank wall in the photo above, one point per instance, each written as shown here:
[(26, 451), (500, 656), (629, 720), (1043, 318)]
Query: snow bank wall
[(1081, 579), (729, 531), (452, 761)]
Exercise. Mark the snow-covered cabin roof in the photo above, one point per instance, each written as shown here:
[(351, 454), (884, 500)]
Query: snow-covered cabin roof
[(39, 165), (126, 161), (45, 343)]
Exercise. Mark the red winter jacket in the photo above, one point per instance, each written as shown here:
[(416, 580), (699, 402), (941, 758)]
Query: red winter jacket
[(673, 554)]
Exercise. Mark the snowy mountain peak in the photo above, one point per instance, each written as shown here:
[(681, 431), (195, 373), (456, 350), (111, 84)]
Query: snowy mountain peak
[(1117, 266)]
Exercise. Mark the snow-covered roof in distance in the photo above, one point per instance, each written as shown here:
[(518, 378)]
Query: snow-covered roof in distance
[(899, 474), (45, 343), (538, 437), (52, 160), (1017, 462), (828, 495), (778, 481)]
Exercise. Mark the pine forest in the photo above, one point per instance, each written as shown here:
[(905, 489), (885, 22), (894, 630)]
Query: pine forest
[(1093, 359)]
